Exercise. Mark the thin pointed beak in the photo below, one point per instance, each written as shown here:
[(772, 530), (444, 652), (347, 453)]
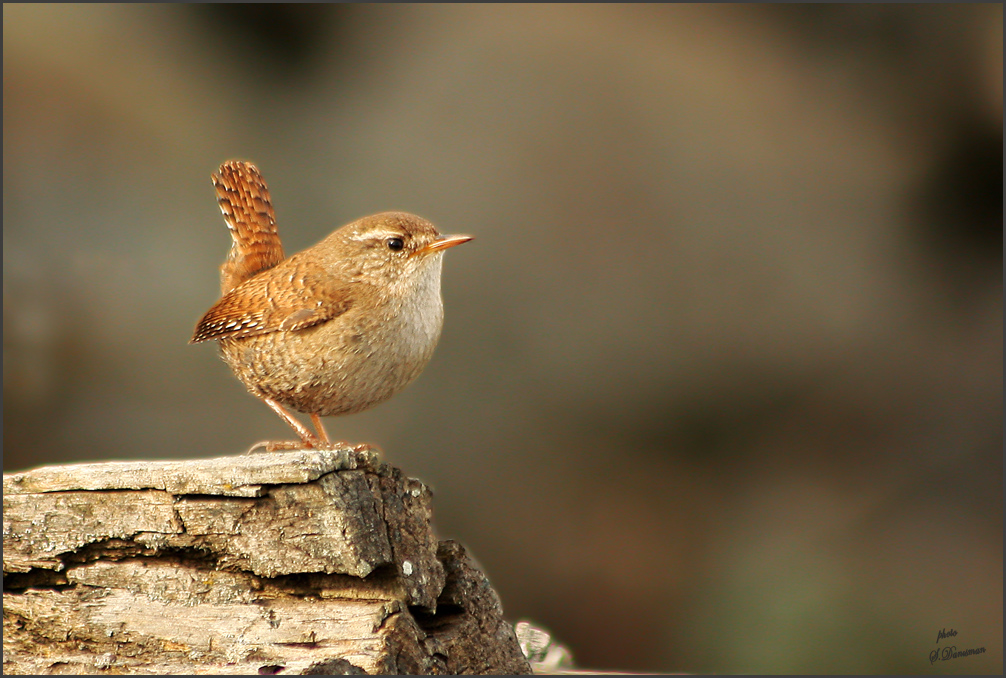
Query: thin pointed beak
[(443, 242)]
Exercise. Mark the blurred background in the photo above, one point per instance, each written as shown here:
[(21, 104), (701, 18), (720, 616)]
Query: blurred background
[(720, 383)]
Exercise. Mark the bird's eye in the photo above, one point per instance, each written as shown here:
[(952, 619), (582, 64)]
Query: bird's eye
[(395, 244)]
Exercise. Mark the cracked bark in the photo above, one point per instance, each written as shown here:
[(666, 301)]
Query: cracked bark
[(310, 562)]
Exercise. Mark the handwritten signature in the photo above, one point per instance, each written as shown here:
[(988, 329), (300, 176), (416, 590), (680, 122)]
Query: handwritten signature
[(951, 652)]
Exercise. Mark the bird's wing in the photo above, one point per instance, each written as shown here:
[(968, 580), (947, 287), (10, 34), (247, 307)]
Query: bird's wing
[(247, 209), (292, 296)]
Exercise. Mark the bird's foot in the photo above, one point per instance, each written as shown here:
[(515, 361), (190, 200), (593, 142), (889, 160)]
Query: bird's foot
[(278, 446), (297, 445), (368, 447)]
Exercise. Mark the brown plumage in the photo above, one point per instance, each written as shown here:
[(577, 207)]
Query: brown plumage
[(335, 329), (247, 208)]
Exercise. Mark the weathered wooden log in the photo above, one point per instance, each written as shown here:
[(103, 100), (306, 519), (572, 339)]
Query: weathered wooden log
[(308, 562)]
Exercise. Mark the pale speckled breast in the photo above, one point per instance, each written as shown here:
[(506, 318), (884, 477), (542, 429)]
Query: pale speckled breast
[(348, 364)]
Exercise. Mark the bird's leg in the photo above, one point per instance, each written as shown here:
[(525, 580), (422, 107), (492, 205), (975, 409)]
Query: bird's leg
[(333, 444), (320, 428), (306, 437)]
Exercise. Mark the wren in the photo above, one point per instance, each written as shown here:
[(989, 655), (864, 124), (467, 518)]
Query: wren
[(335, 329)]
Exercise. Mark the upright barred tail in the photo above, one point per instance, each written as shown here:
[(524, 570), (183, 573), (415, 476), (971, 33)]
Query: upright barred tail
[(247, 209)]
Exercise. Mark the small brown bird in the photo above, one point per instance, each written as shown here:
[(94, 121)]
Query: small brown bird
[(335, 329)]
